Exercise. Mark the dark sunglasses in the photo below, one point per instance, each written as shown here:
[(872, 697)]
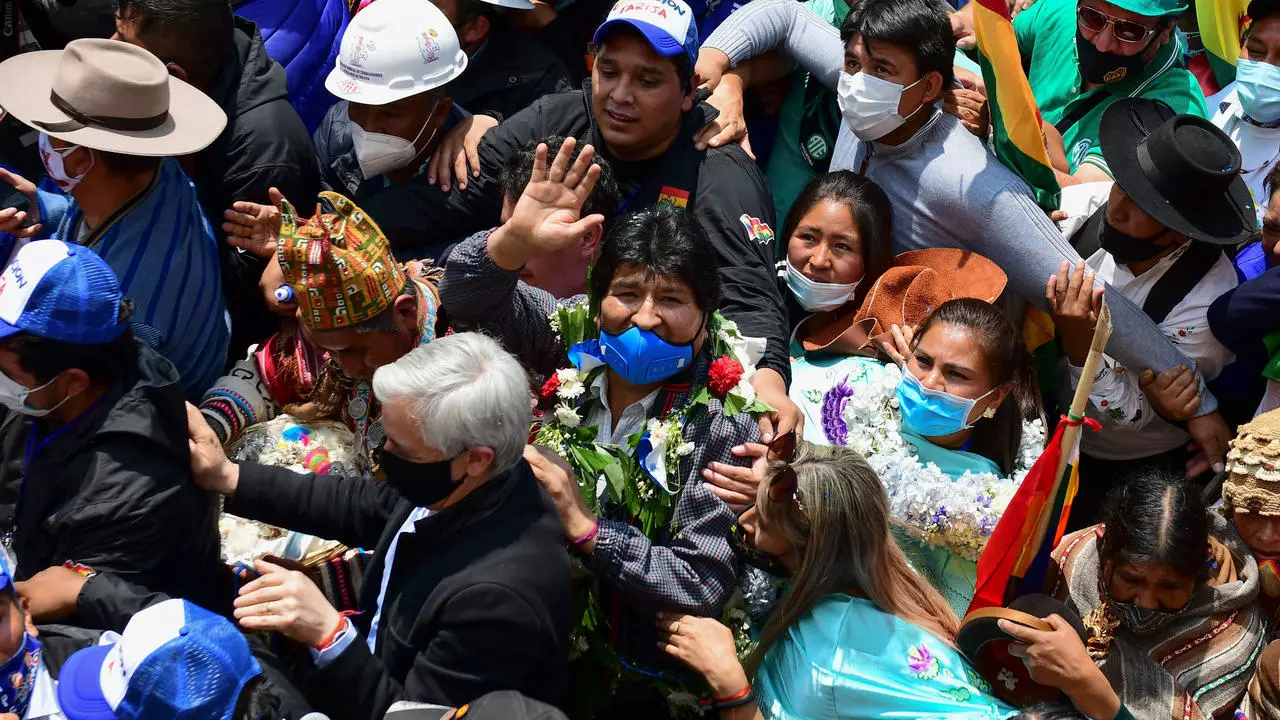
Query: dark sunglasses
[(785, 484), (1126, 31)]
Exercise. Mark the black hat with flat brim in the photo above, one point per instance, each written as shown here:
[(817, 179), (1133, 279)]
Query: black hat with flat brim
[(1180, 169)]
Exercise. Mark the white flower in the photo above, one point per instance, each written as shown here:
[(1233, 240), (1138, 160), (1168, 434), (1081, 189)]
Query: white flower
[(684, 449), (567, 416), (958, 514), (571, 385)]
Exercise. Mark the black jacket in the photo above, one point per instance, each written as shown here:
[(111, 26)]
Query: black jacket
[(726, 193), (479, 596), (510, 73), (265, 145), (112, 491), (336, 152)]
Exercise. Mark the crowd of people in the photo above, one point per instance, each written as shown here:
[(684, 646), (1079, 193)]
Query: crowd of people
[(440, 358)]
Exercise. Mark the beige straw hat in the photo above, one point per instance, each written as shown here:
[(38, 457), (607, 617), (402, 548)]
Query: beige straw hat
[(1253, 467), (112, 96)]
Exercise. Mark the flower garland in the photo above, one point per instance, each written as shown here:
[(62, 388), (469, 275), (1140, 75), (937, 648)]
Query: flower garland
[(861, 412), (644, 475)]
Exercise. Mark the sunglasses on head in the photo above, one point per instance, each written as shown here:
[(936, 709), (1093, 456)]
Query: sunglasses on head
[(785, 484), (1126, 31)]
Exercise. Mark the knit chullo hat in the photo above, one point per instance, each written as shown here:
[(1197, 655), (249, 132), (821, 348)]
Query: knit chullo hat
[(339, 265), (1253, 467)]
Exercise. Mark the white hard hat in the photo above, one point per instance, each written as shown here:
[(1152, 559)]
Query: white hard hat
[(393, 49), (512, 4)]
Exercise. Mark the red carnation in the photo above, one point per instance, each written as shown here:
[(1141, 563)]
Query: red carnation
[(550, 386), (723, 375)]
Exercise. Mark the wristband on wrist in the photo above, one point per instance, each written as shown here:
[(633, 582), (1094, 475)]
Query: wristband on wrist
[(587, 538), (738, 699), (332, 637)]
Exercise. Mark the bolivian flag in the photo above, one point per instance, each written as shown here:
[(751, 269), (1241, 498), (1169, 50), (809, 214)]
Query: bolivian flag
[(1016, 558), (1222, 25), (1015, 118)]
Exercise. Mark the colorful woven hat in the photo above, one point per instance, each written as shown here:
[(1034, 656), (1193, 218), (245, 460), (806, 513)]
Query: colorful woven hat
[(1253, 467), (339, 265), (905, 294)]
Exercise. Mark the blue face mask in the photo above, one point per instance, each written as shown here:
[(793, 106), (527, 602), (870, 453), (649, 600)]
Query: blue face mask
[(1258, 85), (18, 675), (641, 357), (932, 413)]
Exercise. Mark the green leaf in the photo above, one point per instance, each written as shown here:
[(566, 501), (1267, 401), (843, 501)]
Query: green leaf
[(616, 480), (759, 407), (701, 396), (733, 404)]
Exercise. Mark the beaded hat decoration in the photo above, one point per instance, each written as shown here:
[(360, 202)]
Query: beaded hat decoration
[(339, 265), (1253, 467)]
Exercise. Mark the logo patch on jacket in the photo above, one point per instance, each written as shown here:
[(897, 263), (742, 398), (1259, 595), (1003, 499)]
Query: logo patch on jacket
[(756, 230), (84, 570), (673, 198)]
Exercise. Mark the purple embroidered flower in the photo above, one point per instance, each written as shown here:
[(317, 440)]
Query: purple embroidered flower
[(984, 500), (833, 404), (921, 661)]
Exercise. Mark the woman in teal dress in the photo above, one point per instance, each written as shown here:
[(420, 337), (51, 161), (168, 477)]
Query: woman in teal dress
[(857, 634)]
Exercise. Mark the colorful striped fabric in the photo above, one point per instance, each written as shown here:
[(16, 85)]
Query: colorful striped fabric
[(1222, 25), (1015, 118), (1017, 555)]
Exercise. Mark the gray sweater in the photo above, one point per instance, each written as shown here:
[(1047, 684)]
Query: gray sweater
[(947, 190)]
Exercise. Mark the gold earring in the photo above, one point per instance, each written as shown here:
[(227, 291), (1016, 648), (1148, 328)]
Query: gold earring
[(989, 413)]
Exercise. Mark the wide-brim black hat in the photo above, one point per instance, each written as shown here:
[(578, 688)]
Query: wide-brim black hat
[(1180, 169)]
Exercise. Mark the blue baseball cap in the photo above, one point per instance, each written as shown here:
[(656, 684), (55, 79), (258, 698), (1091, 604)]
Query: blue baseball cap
[(668, 25), (61, 292), (175, 661)]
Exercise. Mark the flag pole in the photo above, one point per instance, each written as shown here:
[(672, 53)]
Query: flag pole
[(1101, 333)]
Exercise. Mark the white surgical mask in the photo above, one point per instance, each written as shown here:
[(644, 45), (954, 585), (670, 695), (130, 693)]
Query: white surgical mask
[(380, 153), (870, 105), (815, 296), (52, 159), (14, 396)]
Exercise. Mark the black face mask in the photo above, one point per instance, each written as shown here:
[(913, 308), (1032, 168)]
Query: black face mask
[(1103, 67), (423, 484), (1126, 248)]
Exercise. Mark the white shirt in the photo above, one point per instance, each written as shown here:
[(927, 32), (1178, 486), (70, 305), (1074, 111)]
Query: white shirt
[(1131, 427), (348, 633), (1259, 146), (44, 697), (632, 420)]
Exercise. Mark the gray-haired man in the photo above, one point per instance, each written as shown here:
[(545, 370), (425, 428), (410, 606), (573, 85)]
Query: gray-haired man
[(469, 551)]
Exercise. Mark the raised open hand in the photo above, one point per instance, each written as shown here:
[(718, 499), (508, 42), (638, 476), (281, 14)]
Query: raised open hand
[(548, 215), (255, 227)]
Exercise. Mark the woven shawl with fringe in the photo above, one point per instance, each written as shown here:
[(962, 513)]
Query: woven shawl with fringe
[(1198, 666)]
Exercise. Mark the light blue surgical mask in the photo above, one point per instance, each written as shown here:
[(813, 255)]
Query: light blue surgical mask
[(932, 413), (1258, 86), (641, 357)]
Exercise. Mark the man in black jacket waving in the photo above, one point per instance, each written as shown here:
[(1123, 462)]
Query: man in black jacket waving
[(469, 587)]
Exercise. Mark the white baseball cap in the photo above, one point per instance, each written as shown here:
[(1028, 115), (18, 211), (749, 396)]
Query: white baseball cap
[(393, 49)]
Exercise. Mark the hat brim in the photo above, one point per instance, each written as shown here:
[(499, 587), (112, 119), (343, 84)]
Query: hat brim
[(661, 40), (7, 330), (1225, 219), (194, 120), (351, 89), (80, 687)]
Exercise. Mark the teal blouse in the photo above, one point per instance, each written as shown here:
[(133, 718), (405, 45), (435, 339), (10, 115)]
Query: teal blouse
[(848, 660)]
